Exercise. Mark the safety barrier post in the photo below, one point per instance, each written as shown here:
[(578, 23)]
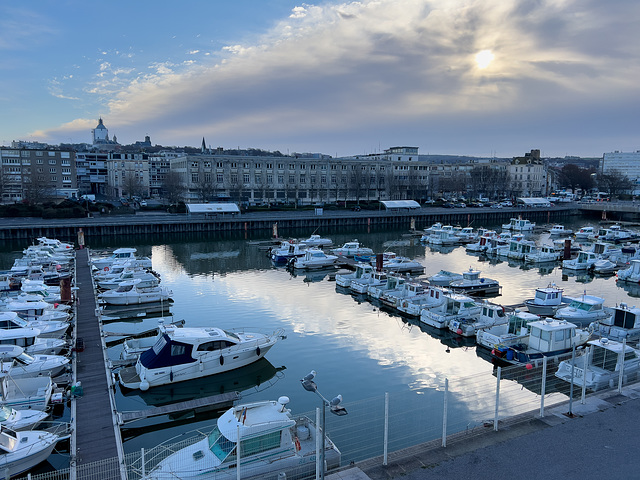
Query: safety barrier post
[(386, 427), (238, 476), (621, 360), (142, 461), (444, 413), (543, 387), (584, 378), (318, 439), (495, 418)]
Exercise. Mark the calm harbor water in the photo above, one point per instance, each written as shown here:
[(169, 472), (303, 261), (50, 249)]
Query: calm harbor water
[(358, 350)]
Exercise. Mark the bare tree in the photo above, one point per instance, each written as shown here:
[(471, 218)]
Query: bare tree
[(204, 187), (36, 189), (132, 184), (614, 182), (173, 188)]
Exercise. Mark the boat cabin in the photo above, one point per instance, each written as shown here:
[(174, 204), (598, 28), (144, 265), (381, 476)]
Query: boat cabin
[(551, 335)]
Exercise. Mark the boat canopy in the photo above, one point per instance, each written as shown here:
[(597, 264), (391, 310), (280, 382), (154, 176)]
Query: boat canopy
[(398, 204), (212, 208)]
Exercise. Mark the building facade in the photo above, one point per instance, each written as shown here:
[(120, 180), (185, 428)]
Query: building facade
[(528, 176), (37, 175)]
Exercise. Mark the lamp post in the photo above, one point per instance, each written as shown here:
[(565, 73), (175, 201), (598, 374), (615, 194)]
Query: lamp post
[(334, 405)]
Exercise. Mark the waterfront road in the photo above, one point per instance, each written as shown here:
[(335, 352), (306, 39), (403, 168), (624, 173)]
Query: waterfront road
[(600, 441)]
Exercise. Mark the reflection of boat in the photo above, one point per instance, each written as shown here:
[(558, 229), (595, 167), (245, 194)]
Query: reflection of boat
[(186, 353), (444, 249), (603, 365), (632, 289), (254, 375), (272, 441), (450, 340)]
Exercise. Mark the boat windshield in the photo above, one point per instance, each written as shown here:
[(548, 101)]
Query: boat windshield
[(221, 446), (232, 335), (5, 413), (578, 305), (159, 345)]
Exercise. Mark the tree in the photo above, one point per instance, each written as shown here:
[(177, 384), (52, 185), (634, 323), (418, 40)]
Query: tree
[(132, 184), (173, 187), (572, 176), (614, 182), (204, 187), (36, 189)]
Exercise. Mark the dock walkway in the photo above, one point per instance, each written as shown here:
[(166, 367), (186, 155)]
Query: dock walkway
[(95, 432)]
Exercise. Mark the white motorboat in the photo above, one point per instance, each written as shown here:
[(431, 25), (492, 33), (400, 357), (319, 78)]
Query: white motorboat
[(482, 244), (406, 291), (585, 233), (544, 253), (444, 277), (29, 338), (393, 282), (47, 328), (21, 419), (520, 249), (361, 286), (507, 334), (313, 259), (519, 225), (603, 364), (428, 230), (37, 311), (15, 362), (147, 280), (400, 264), (546, 338), (442, 237), (631, 274), (287, 250), (584, 261), (473, 284), (455, 307), (130, 293), (349, 249), (362, 271), (617, 234), (21, 451), (583, 310), (558, 230), (467, 235), (120, 255), (56, 244), (490, 316), (623, 323), (273, 444), (502, 248), (413, 305), (546, 300), (26, 392), (317, 241), (604, 266), (187, 353)]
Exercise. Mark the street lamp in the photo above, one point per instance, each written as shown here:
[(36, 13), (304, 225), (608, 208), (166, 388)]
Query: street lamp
[(334, 406)]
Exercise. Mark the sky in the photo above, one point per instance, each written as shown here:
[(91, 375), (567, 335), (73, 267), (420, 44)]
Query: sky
[(452, 77)]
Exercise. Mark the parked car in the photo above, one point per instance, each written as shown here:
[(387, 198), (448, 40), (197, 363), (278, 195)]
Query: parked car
[(447, 205), (460, 205), (506, 203)]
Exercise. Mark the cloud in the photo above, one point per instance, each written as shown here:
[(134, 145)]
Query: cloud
[(357, 67)]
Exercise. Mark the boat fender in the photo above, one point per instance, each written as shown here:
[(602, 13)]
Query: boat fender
[(171, 376), (298, 447), (144, 385), (221, 360), (258, 351)]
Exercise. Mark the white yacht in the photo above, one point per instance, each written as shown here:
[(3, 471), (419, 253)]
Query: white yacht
[(147, 280), (273, 444), (631, 274), (623, 323), (545, 338), (429, 298), (47, 328), (583, 310), (287, 250), (401, 264), (21, 451), (394, 282), (26, 392), (444, 277), (544, 253), (491, 315), (361, 286), (129, 292), (519, 225), (507, 334), (349, 249), (546, 300), (187, 353), (313, 259), (317, 241), (362, 271), (473, 284), (21, 419), (585, 233), (603, 364), (120, 255), (584, 261), (558, 230), (455, 307), (15, 362)]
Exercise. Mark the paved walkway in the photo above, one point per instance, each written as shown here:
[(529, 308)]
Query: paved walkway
[(600, 441)]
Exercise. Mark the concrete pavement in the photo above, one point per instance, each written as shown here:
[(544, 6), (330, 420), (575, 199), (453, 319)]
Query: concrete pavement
[(601, 440)]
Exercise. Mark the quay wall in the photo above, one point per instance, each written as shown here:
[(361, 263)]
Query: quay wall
[(165, 224)]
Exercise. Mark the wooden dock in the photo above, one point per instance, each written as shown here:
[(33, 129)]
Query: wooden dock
[(203, 404), (95, 431)]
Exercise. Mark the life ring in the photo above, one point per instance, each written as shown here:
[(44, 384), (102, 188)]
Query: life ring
[(106, 269), (298, 446)]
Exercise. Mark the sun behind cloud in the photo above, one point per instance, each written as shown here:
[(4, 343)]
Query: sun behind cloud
[(484, 58)]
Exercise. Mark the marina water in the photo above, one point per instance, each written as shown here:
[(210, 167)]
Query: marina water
[(358, 350)]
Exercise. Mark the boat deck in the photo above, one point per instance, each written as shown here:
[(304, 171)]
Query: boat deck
[(95, 431)]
